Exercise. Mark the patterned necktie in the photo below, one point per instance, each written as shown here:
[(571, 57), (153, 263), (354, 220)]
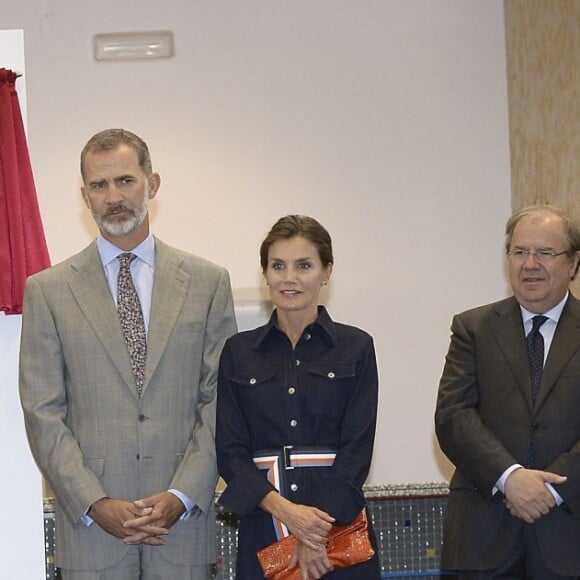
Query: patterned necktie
[(535, 344), (131, 318)]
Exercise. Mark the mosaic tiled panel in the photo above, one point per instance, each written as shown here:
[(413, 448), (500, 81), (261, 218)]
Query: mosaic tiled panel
[(409, 530), (408, 522), (51, 572)]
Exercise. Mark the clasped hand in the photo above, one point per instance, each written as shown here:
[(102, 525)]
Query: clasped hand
[(526, 495), (310, 526), (144, 521)]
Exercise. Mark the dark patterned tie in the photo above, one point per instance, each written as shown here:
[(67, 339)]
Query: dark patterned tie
[(131, 317), (535, 344)]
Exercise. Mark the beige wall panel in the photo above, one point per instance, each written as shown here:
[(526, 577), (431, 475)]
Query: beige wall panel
[(543, 67)]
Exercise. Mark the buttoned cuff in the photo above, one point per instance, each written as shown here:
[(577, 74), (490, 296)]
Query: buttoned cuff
[(186, 501)]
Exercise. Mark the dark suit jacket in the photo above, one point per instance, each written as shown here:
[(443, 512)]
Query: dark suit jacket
[(485, 421), (90, 432)]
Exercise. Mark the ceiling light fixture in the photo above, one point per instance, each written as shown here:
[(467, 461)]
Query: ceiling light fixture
[(133, 45)]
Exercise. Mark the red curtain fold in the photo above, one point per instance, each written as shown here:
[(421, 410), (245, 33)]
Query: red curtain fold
[(23, 248)]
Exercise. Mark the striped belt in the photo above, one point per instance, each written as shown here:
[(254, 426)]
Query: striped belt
[(277, 462)]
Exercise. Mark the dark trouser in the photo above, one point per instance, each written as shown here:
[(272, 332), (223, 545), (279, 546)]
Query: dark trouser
[(524, 563)]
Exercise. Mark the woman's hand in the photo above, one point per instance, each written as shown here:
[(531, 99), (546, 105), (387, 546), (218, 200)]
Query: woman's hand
[(313, 564), (310, 525)]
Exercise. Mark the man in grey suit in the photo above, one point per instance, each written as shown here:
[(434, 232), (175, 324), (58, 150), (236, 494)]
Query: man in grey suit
[(129, 457), (508, 414)]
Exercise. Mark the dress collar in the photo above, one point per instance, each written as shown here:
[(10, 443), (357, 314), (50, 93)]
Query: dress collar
[(144, 251), (323, 323)]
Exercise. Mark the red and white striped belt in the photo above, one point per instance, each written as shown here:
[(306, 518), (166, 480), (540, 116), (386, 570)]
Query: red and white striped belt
[(277, 462), (290, 457)]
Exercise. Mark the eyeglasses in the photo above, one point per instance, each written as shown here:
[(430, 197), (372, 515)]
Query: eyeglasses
[(520, 255)]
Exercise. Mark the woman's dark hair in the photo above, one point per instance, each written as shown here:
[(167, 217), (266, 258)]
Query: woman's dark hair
[(304, 226)]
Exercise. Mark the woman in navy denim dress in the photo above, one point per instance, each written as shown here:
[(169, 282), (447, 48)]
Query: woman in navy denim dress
[(296, 414)]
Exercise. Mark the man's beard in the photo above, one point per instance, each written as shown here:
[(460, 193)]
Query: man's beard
[(118, 227)]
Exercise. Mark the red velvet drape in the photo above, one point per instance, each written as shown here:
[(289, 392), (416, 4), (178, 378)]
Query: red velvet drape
[(23, 248)]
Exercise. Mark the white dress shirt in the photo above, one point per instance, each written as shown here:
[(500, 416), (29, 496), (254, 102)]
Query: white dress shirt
[(547, 331)]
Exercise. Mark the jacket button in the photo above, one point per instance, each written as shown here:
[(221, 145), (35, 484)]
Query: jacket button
[(294, 487), (141, 418)]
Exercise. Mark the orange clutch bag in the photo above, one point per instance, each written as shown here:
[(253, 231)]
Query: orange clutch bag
[(347, 545)]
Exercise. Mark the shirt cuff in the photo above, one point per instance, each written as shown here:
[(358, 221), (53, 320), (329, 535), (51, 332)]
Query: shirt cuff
[(557, 496), (186, 501), (500, 483)]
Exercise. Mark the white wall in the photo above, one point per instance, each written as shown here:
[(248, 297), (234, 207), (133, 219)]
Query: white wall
[(385, 119), (20, 488)]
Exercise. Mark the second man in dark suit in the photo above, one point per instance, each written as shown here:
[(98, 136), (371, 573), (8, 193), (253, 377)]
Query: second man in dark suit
[(514, 502)]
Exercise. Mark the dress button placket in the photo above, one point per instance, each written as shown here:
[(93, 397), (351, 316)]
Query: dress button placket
[(290, 379)]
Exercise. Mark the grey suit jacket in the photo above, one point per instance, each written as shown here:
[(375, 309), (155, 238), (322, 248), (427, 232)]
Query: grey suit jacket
[(485, 421), (90, 433)]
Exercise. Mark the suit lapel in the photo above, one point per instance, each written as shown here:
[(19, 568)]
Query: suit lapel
[(564, 344), (91, 291), (508, 330), (170, 288)]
